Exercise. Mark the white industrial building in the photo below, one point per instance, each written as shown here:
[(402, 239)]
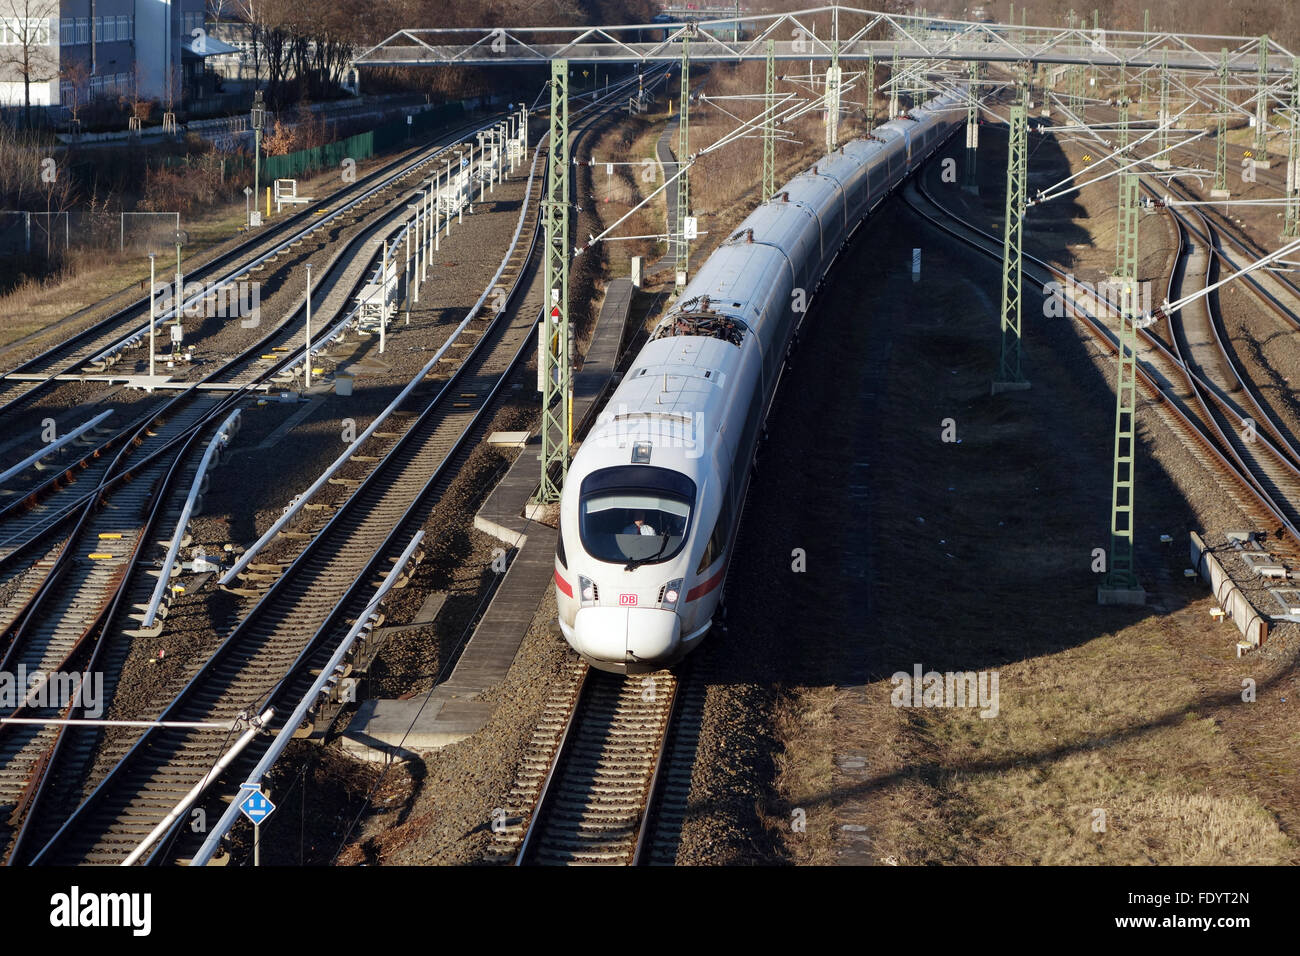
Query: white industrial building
[(88, 48)]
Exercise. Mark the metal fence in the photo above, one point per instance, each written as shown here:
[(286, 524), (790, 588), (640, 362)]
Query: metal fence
[(22, 232)]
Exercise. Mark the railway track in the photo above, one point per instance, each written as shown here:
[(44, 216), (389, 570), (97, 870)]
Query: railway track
[(1177, 393), (34, 519), (1250, 434), (607, 773), (282, 626), (71, 605), (32, 512), (130, 323), (589, 803), (1273, 292), (313, 596)]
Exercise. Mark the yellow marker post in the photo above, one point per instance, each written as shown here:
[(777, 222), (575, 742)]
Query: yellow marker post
[(268, 202)]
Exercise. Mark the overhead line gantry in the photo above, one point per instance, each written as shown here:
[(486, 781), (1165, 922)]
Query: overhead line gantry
[(859, 33)]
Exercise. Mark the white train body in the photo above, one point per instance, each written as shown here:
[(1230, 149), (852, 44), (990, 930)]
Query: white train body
[(651, 503)]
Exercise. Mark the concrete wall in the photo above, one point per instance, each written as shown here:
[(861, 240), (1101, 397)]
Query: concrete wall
[(1235, 604), (42, 94)]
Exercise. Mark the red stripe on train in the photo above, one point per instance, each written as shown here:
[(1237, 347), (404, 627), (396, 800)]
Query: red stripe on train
[(563, 585), (702, 589)]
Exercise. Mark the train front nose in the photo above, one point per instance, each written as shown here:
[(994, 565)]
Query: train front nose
[(627, 639)]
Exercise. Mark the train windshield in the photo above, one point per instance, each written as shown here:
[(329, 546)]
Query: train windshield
[(635, 514)]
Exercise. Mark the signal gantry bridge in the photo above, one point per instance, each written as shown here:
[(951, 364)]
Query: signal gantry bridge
[(821, 32)]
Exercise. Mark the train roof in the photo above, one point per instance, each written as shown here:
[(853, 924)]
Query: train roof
[(674, 396)]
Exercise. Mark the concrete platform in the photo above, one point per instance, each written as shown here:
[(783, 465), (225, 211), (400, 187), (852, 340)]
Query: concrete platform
[(1122, 596), (385, 730), (423, 617), (1000, 387), (399, 729)]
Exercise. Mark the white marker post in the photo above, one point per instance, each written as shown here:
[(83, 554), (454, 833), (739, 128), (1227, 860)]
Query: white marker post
[(482, 158), (462, 175), (383, 297), (306, 359), (430, 220), (419, 248), (446, 169), (152, 315), (411, 273)]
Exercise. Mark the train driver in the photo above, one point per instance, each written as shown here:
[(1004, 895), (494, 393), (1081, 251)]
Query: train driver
[(639, 525)]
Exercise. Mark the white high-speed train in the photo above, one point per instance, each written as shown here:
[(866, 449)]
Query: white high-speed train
[(649, 510)]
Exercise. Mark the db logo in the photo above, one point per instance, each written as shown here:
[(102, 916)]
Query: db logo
[(627, 600)]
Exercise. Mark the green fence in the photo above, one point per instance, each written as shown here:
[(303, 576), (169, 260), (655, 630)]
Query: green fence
[(331, 155), (361, 146)]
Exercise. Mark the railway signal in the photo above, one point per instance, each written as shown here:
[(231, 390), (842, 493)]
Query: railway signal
[(257, 806), (257, 118)]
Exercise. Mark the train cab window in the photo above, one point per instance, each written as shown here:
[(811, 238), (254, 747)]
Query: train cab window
[(717, 541), (635, 514)]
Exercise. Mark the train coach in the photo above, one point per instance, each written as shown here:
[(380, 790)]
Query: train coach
[(650, 507)]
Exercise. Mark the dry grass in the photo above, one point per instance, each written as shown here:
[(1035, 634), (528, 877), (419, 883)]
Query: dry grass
[(615, 191), (799, 713), (1115, 743), (1078, 737)]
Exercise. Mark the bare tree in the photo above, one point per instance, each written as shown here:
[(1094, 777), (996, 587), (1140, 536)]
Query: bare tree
[(247, 11), (28, 49), (133, 97), (76, 78)]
